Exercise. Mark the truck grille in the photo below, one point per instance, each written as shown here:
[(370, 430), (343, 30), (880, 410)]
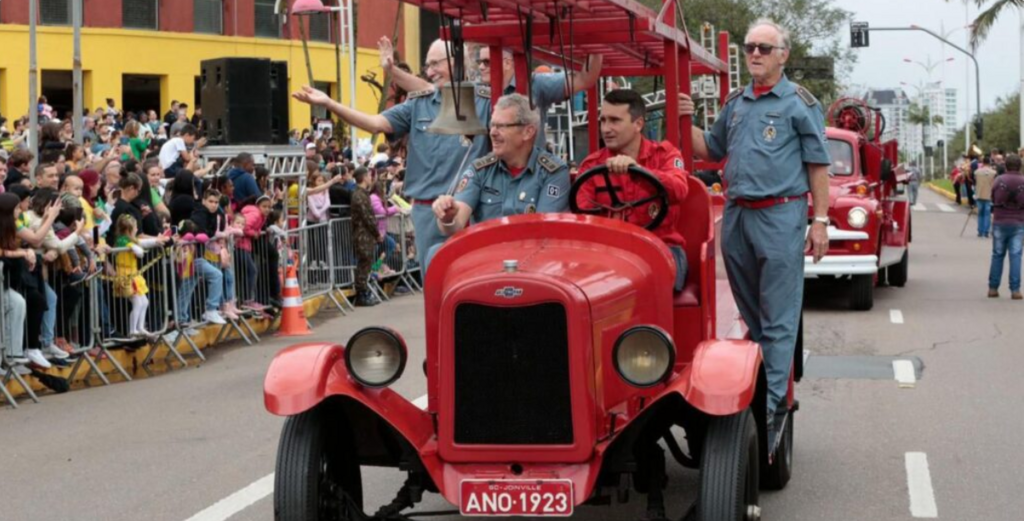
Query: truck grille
[(512, 375)]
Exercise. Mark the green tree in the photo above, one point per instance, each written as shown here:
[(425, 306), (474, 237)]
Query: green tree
[(816, 28), (922, 115), (1002, 128), (987, 18)]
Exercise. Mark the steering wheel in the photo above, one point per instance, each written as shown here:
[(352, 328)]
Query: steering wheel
[(619, 208)]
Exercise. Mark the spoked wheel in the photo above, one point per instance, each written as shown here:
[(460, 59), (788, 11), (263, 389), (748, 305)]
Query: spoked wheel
[(729, 470), (318, 477), (775, 475)]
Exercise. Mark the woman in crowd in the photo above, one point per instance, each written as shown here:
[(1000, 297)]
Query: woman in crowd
[(17, 264), (183, 196), (136, 143)]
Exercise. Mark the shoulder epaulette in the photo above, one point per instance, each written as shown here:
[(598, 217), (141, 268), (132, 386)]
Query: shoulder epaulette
[(420, 93), (484, 91), (548, 163), (485, 161), (734, 94), (806, 96)]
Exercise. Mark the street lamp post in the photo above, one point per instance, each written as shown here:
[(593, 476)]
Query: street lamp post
[(929, 67), (33, 88), (306, 7), (76, 65)]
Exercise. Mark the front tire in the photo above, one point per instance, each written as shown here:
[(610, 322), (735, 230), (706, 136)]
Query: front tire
[(862, 292), (318, 476), (898, 272), (729, 469)]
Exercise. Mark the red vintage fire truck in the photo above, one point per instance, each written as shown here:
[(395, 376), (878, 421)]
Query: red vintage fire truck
[(869, 233), (559, 362)]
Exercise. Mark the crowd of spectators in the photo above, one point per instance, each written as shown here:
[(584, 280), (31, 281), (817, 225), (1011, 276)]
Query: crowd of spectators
[(136, 183)]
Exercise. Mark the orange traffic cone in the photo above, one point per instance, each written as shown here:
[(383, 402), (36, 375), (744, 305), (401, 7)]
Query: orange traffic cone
[(293, 315)]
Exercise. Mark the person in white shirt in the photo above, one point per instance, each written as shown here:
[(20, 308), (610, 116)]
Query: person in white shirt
[(175, 154)]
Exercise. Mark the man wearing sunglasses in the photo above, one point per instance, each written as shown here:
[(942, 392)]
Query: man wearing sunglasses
[(772, 133), (434, 159)]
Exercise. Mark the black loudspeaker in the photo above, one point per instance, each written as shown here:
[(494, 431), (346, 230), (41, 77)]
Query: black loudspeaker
[(279, 103), (236, 100)]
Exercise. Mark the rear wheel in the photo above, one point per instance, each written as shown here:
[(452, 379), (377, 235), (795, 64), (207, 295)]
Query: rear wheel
[(318, 476), (729, 470), (898, 272), (775, 476), (862, 292)]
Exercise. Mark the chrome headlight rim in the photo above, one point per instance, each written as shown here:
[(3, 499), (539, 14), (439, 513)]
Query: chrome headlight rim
[(397, 341), (666, 340), (857, 223)]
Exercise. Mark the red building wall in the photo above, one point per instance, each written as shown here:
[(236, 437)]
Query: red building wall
[(376, 18), (177, 17)]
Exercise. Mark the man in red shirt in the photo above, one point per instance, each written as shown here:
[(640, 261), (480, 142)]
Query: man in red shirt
[(622, 125)]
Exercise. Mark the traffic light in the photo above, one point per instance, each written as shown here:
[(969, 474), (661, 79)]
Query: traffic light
[(979, 128), (859, 34)]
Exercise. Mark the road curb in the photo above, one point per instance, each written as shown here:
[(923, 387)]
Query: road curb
[(943, 192)]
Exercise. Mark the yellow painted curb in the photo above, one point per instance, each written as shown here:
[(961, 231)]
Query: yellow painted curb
[(131, 361), (943, 192)]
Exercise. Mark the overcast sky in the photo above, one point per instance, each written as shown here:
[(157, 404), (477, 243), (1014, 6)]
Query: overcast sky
[(881, 65)]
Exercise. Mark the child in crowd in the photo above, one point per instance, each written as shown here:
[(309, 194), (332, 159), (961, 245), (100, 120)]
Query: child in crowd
[(210, 220), (185, 269), (129, 282), (254, 215)]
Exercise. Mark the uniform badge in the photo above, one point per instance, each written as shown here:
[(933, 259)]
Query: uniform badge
[(553, 191), (652, 210), (769, 133), (462, 185), (531, 208)]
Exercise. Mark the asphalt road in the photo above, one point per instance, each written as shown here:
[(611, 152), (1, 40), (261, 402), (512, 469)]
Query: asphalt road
[(171, 447)]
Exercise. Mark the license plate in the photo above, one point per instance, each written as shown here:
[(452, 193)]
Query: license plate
[(525, 497)]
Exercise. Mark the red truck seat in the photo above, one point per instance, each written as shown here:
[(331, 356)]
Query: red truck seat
[(694, 224)]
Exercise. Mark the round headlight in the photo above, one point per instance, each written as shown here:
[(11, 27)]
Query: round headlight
[(644, 356), (375, 356), (857, 218)]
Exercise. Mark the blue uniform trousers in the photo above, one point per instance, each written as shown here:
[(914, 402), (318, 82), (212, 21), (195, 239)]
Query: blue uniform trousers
[(428, 236), (764, 259)]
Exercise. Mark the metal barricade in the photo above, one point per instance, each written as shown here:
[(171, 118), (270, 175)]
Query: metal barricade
[(79, 323), (232, 270), (13, 304), (343, 256), (313, 252), (136, 294), (394, 254)]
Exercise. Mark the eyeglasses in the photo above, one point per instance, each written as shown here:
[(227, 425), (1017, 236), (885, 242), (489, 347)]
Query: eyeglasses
[(762, 48), (430, 64), (503, 126), (486, 62)]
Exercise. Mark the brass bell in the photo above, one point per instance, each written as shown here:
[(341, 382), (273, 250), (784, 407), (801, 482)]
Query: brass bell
[(463, 122), (975, 152)]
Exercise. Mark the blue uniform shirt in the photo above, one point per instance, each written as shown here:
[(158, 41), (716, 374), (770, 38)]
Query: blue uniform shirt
[(434, 159), (768, 140), (489, 189), (547, 88)]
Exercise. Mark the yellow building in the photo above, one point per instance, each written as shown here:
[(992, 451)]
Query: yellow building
[(147, 69)]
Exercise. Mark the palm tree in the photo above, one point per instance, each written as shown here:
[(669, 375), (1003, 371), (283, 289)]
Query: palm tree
[(987, 18), (922, 115)]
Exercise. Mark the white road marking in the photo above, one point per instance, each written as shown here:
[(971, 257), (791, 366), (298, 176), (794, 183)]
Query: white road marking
[(946, 208), (920, 207), (237, 502), (903, 370), (807, 354), (919, 484), (896, 316), (421, 402)]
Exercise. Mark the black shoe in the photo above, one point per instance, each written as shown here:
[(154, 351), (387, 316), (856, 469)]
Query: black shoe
[(365, 300)]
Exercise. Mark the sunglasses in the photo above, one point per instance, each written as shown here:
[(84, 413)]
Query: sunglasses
[(762, 48)]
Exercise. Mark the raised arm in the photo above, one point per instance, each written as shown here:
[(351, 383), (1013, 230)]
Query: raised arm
[(581, 81), (404, 80), (370, 123)]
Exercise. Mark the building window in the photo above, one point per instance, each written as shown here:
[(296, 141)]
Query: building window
[(139, 14), (55, 12), (320, 26), (267, 23), (208, 16)]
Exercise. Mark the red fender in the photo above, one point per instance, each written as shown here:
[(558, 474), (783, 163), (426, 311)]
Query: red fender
[(303, 375), (722, 379)]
